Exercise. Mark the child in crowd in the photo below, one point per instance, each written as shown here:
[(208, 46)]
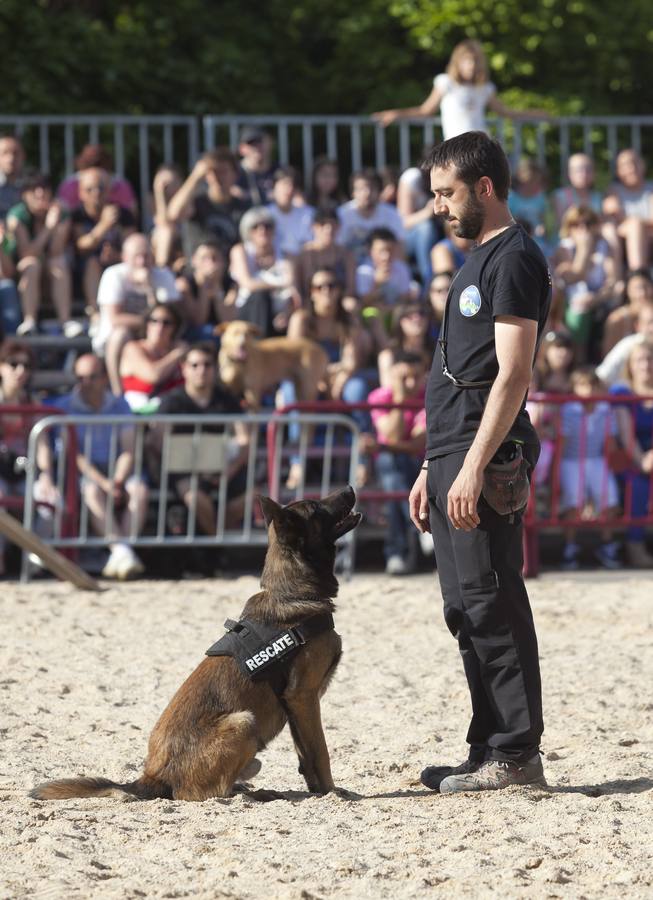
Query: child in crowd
[(555, 362), (437, 296), (587, 428), (364, 212), (621, 321), (399, 440), (450, 253), (324, 192), (321, 252), (409, 334), (293, 223), (580, 191), (462, 95), (208, 292), (528, 200), (584, 271)]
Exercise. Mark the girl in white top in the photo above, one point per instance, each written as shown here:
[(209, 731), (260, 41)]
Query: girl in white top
[(462, 94)]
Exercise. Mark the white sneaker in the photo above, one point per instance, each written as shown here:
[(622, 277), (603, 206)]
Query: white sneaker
[(129, 565), (72, 328), (26, 327), (396, 565), (110, 569)]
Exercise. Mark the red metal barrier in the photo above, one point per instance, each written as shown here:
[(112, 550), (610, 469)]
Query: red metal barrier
[(16, 422)]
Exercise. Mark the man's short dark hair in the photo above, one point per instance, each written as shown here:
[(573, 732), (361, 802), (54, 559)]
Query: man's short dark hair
[(473, 155), (221, 155), (324, 216), (34, 180), (381, 234), (205, 347), (284, 172)]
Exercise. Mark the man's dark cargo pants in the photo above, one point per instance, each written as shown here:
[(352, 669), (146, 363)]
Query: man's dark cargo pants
[(486, 608)]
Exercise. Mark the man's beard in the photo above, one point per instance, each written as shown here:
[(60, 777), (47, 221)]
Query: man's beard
[(470, 220)]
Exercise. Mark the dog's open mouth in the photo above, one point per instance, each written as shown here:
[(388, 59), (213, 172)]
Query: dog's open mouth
[(346, 524)]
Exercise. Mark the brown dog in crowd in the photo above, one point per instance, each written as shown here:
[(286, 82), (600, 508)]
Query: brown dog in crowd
[(250, 366), (209, 734)]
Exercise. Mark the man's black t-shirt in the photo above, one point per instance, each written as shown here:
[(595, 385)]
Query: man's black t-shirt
[(505, 276), (178, 402)]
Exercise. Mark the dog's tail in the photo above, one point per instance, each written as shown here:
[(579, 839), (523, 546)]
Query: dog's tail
[(65, 788)]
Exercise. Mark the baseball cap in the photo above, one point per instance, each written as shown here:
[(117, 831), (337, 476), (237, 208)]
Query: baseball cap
[(252, 135)]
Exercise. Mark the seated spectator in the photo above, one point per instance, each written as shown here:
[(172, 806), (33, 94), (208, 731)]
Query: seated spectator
[(438, 293), (629, 204), (116, 500), (99, 229), (621, 321), (10, 310), (150, 366), (256, 168), (527, 199), (364, 212), (208, 292), (389, 183), (16, 367), (611, 369), (119, 190), (383, 280), (584, 268), (581, 190), (635, 422), (409, 334), (266, 295), (399, 441), (324, 252), (450, 253), (166, 234), (292, 223), (208, 204), (201, 395), (555, 362), (127, 290), (324, 192), (339, 332), (423, 228), (12, 159), (585, 477), (38, 231)]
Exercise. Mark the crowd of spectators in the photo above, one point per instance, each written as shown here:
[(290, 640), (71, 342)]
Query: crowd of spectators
[(363, 269)]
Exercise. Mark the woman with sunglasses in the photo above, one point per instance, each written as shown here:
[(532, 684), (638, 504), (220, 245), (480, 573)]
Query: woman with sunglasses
[(410, 333), (16, 367), (150, 366)]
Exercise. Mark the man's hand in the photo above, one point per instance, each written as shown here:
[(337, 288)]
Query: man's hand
[(463, 497), (418, 503), (53, 217)]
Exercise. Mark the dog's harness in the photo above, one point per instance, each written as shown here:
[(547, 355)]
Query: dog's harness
[(262, 652)]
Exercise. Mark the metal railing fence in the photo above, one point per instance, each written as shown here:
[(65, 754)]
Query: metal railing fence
[(158, 462), (139, 144)]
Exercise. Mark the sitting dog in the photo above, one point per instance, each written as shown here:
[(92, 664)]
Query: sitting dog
[(271, 667), (251, 367)]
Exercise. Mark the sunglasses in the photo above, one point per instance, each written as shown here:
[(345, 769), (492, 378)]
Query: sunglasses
[(268, 226), (17, 363), (164, 323), (325, 286)]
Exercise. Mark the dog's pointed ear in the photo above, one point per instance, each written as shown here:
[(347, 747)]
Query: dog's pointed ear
[(270, 509), (255, 330), (221, 328)]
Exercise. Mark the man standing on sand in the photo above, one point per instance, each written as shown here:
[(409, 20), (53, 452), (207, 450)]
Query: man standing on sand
[(495, 315)]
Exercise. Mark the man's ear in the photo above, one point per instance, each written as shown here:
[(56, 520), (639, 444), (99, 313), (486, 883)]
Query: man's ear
[(270, 509), (485, 187)]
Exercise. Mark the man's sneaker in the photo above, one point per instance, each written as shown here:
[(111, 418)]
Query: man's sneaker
[(129, 565), (396, 565), (571, 557), (433, 776), (608, 555), (494, 775)]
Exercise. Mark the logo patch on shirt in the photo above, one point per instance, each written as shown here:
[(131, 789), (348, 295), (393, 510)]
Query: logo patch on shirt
[(470, 301)]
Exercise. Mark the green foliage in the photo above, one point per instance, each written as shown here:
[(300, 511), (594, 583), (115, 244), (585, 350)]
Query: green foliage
[(307, 56)]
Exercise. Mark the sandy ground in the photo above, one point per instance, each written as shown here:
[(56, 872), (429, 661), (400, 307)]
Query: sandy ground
[(84, 677)]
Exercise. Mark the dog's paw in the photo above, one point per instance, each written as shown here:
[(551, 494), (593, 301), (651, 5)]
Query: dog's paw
[(265, 796)]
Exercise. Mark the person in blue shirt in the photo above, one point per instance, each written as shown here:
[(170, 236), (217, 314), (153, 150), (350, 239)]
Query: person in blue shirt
[(106, 469)]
